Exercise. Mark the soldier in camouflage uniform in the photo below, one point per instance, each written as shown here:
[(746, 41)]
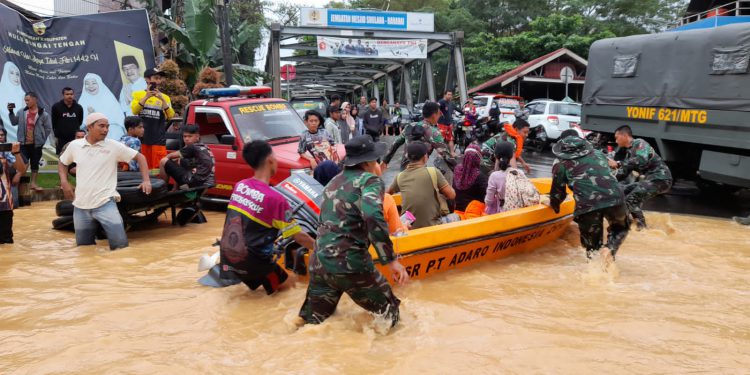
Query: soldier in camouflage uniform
[(511, 134), (596, 192), (656, 179), (425, 131), (351, 220)]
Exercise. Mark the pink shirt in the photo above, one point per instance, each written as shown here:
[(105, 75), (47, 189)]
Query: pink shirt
[(495, 196)]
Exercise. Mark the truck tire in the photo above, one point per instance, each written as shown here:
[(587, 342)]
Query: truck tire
[(131, 194), (63, 223), (127, 176), (64, 208)]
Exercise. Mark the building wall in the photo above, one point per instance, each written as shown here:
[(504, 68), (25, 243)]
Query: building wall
[(64, 8), (80, 7)]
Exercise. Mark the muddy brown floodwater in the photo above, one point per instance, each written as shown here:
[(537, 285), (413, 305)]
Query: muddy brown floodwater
[(679, 304)]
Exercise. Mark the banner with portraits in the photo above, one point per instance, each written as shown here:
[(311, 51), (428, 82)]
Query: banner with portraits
[(101, 56), (372, 48)]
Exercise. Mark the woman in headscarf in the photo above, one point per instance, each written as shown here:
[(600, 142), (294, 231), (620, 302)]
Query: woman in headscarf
[(468, 181), (11, 91), (358, 128), (350, 129), (508, 188), (96, 97)]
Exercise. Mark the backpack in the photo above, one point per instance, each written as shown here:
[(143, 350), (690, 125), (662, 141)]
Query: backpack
[(519, 191)]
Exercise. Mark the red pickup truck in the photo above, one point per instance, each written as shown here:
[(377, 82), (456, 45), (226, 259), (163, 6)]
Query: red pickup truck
[(233, 116)]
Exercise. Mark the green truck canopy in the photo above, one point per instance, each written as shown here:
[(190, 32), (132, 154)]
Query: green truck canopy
[(701, 69)]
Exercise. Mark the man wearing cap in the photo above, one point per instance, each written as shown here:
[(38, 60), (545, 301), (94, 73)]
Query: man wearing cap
[(596, 192), (155, 108), (133, 82), (422, 189), (332, 123), (351, 219), (95, 195), (424, 131)]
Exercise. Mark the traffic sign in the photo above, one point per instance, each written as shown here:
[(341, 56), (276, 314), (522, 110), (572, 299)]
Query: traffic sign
[(288, 72), (566, 74)]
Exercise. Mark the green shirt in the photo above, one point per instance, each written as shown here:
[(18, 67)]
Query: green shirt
[(418, 194), (642, 158), (351, 218)]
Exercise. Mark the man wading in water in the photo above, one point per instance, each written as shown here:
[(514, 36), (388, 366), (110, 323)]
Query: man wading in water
[(255, 216), (596, 192), (351, 218)]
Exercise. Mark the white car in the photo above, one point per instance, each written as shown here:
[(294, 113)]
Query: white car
[(504, 103), (555, 117)]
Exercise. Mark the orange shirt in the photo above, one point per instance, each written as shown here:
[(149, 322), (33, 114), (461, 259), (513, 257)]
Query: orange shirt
[(390, 211), (518, 137)]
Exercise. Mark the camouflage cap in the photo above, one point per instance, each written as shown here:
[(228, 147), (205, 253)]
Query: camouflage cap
[(572, 148)]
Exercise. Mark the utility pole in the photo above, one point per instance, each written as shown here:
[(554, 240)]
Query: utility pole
[(222, 12)]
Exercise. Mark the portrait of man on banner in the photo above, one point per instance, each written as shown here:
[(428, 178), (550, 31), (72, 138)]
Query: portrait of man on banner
[(131, 68)]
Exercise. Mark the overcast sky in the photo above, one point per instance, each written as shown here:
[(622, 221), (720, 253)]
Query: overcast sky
[(45, 7)]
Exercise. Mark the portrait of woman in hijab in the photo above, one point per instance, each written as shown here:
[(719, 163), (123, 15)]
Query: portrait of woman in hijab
[(10, 92), (96, 97)]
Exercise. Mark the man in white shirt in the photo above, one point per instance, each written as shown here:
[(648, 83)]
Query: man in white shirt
[(96, 158)]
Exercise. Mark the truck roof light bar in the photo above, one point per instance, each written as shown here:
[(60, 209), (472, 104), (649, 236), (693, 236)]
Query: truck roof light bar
[(237, 91)]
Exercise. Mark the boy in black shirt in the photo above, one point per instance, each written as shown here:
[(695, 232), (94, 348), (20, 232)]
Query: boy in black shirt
[(194, 165)]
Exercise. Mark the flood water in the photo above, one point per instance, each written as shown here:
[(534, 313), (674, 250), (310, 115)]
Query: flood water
[(677, 303)]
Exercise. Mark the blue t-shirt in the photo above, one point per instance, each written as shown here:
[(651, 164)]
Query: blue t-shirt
[(135, 144)]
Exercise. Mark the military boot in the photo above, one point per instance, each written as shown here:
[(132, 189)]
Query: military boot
[(640, 220)]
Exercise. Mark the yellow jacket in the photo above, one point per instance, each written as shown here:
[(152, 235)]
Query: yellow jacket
[(152, 103)]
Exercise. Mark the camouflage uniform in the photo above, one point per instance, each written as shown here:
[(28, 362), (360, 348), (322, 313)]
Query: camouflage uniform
[(431, 135), (596, 192), (351, 219), (657, 179), (488, 149)]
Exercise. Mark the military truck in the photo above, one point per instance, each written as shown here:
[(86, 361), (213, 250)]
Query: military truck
[(685, 92)]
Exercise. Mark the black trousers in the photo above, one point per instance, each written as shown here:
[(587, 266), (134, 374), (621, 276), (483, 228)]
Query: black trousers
[(32, 154), (6, 227), (62, 141), (375, 136)]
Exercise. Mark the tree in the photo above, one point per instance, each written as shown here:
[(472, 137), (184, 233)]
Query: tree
[(487, 55), (197, 36), (174, 86)]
